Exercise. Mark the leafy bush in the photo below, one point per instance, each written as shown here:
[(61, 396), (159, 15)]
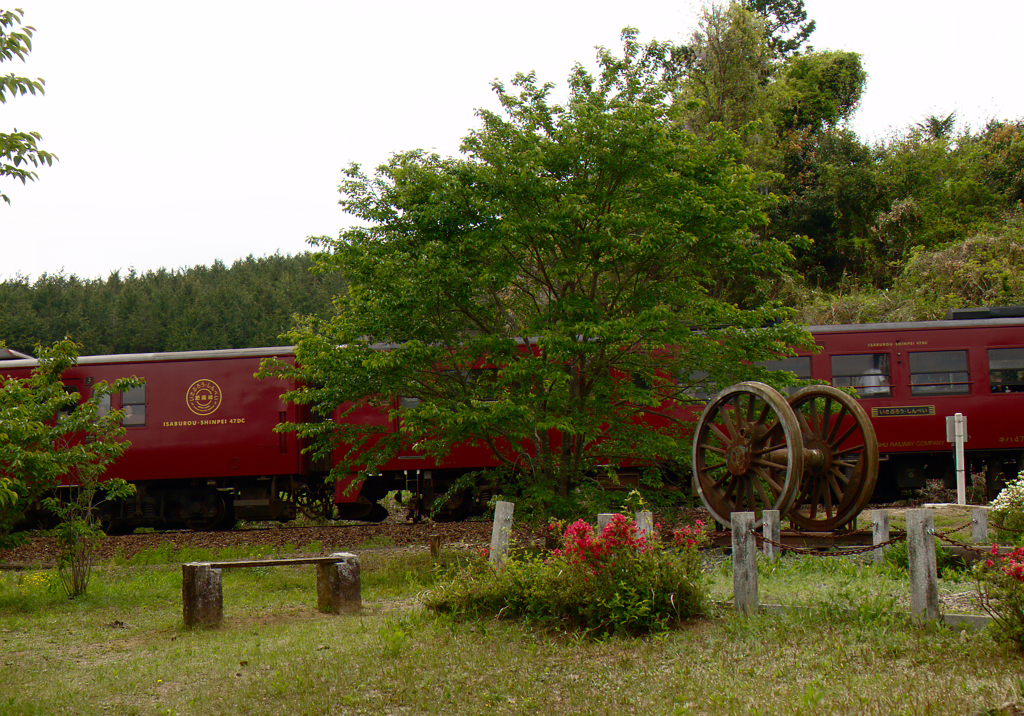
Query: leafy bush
[(1007, 513), (1001, 588), (619, 581)]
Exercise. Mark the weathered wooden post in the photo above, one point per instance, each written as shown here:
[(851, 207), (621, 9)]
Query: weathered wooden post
[(879, 533), (744, 562), (924, 579), (603, 519), (645, 524), (338, 585), (771, 530), (979, 525), (435, 546), (202, 595), (501, 532)]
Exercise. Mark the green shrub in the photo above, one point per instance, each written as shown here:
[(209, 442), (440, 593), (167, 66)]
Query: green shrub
[(1007, 513), (615, 582)]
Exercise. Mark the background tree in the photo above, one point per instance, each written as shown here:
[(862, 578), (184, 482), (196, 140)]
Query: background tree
[(785, 23), (18, 150), (571, 256), (245, 305)]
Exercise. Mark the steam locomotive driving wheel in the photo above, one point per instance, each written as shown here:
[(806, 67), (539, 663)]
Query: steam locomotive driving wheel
[(747, 452), (814, 458), (838, 483)]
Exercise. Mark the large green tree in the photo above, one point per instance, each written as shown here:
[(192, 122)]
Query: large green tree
[(573, 254), (19, 151)]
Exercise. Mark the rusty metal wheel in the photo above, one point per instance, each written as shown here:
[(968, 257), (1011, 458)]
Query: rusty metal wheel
[(840, 458), (747, 452)]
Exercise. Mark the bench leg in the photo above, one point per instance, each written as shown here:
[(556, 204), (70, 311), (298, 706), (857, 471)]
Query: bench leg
[(338, 589), (202, 595)]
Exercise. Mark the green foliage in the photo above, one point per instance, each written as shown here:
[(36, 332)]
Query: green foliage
[(615, 582), (41, 425), (245, 305), (1007, 512), (573, 257), (897, 557), (818, 90), (727, 65), (18, 150), (786, 24)]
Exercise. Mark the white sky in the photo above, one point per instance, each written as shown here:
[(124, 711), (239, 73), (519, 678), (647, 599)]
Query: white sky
[(194, 131)]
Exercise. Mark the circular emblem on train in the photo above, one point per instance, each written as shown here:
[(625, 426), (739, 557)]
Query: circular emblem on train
[(203, 397)]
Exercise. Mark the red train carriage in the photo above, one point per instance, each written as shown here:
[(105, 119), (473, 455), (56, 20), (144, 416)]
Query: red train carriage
[(911, 376), (204, 451)]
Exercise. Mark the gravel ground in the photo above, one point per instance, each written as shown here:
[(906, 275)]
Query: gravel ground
[(43, 550)]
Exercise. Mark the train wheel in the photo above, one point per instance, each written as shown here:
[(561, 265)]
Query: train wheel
[(205, 510), (747, 452), (841, 458), (315, 504)]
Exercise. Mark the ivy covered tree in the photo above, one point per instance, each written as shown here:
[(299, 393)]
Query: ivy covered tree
[(547, 290), (19, 151)]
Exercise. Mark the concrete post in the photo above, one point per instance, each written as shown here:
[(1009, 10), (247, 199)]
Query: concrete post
[(879, 532), (744, 562), (645, 524), (979, 525), (771, 529), (338, 585), (501, 532), (924, 578), (603, 519), (202, 595)]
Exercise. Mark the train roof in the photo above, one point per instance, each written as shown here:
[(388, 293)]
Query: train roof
[(919, 325), (221, 354), (8, 354)]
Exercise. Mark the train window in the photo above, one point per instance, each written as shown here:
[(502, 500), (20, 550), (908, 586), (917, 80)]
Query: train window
[(939, 373), (70, 407), (133, 402), (696, 387), (799, 365), (102, 406), (1006, 370), (406, 402), (867, 373)]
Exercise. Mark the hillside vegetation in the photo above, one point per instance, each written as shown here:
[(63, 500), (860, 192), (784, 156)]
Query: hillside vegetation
[(249, 304)]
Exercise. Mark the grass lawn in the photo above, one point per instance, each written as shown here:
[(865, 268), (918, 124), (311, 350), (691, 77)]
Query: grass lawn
[(122, 650)]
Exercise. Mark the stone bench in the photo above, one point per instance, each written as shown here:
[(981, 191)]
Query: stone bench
[(338, 587)]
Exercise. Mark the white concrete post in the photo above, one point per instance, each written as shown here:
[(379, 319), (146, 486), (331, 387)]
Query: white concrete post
[(744, 562), (924, 578), (603, 519), (501, 532), (879, 533), (771, 530), (979, 525), (645, 524), (956, 433)]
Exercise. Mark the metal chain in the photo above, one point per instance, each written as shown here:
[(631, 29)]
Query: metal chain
[(969, 547), (964, 526), (816, 552)]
